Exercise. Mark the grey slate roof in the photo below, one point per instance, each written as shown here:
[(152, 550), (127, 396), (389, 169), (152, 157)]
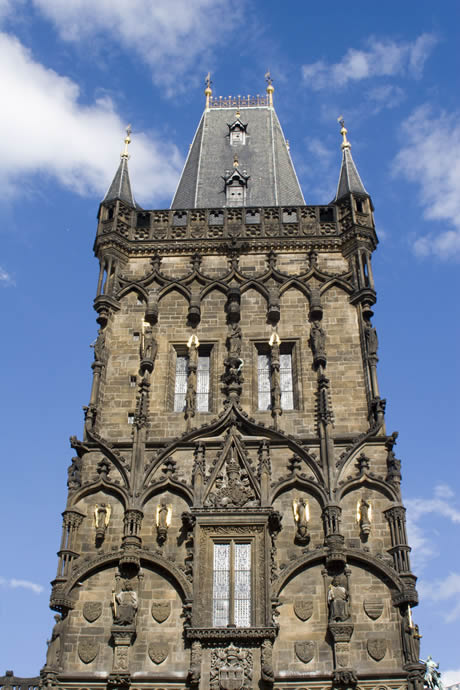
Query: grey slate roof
[(264, 157), (121, 186), (349, 179)]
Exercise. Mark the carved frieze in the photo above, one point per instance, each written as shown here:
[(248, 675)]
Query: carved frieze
[(158, 652), (88, 650), (303, 608), (305, 650), (92, 610), (161, 610)]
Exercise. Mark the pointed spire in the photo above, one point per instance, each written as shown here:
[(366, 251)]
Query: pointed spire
[(270, 88), (349, 179), (208, 90), (121, 185)]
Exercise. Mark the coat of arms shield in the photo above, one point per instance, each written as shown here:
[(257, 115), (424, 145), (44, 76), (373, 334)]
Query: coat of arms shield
[(373, 608), (161, 610), (88, 650), (305, 650), (231, 677), (377, 647), (92, 610), (303, 608), (158, 651)]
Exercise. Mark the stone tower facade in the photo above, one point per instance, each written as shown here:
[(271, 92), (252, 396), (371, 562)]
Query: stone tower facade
[(234, 515)]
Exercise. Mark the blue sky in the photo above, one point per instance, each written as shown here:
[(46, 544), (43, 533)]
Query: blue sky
[(73, 74)]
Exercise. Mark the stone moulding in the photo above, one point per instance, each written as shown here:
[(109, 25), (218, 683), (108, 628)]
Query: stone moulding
[(268, 633)]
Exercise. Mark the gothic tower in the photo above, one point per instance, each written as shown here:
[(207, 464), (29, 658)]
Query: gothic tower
[(234, 515)]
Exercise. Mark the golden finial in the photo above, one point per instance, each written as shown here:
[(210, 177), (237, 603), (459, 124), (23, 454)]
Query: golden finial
[(208, 90), (127, 142), (345, 143), (235, 161), (270, 88), (237, 114)]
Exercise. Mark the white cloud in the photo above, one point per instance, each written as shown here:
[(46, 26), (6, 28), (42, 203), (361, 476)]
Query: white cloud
[(384, 58), (171, 36), (450, 677), (13, 583), (385, 96), (442, 503), (430, 157), (444, 590), (52, 134), (6, 279)]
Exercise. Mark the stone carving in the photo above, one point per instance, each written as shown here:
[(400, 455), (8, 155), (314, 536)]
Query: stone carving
[(373, 608), (372, 342), (232, 489), (303, 608), (74, 474), (100, 352), (158, 651), (301, 517), (53, 654), (364, 517), (342, 650), (318, 344), (148, 351), (266, 661), (337, 599), (231, 669), (377, 647), (194, 672), (305, 650), (88, 650), (102, 514), (410, 639), (161, 610), (345, 678), (92, 610), (124, 605)]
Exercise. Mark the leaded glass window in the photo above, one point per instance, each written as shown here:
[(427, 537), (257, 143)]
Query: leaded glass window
[(180, 385), (231, 604), (202, 383), (264, 375)]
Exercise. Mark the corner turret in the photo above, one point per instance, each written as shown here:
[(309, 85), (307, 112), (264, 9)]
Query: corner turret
[(120, 189)]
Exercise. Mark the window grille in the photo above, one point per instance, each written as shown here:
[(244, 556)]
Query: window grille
[(264, 379), (203, 380), (180, 386), (202, 384), (232, 584)]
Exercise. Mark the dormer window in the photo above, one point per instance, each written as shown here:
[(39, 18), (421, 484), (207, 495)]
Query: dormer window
[(237, 131), (236, 183)]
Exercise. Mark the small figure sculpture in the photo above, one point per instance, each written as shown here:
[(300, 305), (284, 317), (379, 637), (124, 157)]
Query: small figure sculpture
[(163, 520), (74, 474), (190, 395), (337, 599), (318, 344), (411, 639), (53, 654), (301, 517), (234, 341), (364, 515), (149, 349), (101, 520), (432, 675), (125, 605), (372, 342), (99, 347)]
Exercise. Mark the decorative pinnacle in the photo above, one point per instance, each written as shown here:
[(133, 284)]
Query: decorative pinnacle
[(208, 90), (127, 142), (345, 143), (270, 87)]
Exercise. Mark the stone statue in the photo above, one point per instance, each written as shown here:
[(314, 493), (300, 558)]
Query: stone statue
[(432, 675), (149, 346), (163, 521), (190, 396), (53, 655), (318, 341), (234, 341), (372, 342), (101, 520), (74, 474), (125, 605), (300, 509), (99, 347), (337, 599), (365, 517), (411, 639)]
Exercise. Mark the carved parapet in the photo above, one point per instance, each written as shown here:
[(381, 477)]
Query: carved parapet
[(238, 634), (9, 682), (59, 600)]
